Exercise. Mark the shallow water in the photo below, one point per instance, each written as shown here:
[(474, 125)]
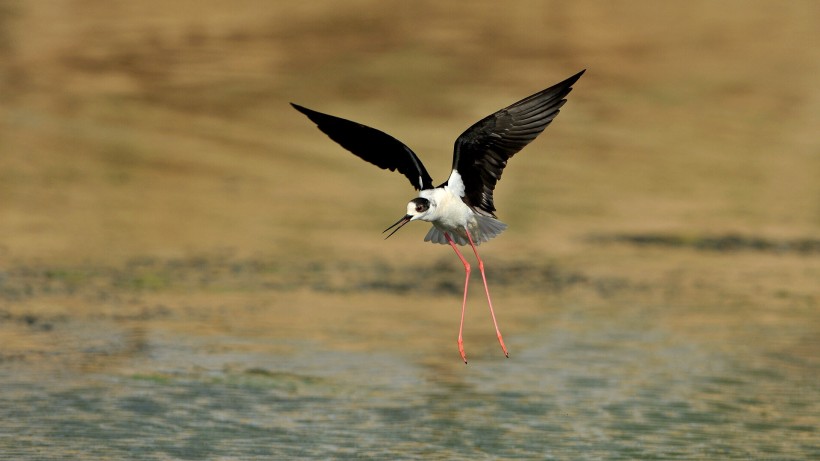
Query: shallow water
[(582, 381)]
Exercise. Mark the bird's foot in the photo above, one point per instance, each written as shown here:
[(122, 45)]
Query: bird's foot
[(503, 347)]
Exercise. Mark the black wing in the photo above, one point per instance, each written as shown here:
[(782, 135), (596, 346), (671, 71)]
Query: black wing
[(372, 145), (481, 152)]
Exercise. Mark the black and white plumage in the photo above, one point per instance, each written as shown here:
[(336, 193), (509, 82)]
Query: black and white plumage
[(479, 158), (461, 209)]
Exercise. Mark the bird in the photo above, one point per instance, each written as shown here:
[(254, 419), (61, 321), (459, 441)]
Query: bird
[(461, 209)]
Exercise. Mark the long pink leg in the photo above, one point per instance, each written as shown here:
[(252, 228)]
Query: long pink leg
[(464, 302), (486, 290)]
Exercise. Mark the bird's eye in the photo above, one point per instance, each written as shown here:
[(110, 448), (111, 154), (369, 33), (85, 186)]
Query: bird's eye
[(421, 207)]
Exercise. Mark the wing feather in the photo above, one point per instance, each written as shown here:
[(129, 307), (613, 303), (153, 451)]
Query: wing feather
[(372, 145), (481, 152)]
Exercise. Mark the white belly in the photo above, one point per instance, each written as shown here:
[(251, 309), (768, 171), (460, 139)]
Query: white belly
[(453, 216)]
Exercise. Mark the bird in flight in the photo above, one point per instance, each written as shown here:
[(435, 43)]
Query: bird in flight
[(461, 209)]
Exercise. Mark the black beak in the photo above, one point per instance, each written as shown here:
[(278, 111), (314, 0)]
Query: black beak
[(401, 222)]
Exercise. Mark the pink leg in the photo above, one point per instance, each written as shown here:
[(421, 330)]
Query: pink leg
[(464, 302), (487, 291)]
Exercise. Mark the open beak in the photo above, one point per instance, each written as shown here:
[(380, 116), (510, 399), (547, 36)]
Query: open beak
[(401, 222)]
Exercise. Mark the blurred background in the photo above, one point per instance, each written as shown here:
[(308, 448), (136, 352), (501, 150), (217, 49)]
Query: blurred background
[(190, 269)]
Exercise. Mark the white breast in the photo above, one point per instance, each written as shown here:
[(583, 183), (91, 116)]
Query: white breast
[(452, 215), (451, 212)]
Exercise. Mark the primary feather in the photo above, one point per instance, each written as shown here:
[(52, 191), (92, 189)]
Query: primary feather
[(372, 145), (482, 151)]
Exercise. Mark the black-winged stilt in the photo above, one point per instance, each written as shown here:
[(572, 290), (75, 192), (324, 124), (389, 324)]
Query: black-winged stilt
[(461, 209)]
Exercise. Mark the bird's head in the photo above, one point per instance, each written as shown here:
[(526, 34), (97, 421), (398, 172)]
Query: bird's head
[(418, 208)]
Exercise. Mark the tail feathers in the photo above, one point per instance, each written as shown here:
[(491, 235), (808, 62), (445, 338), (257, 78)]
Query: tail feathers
[(434, 235), (487, 228)]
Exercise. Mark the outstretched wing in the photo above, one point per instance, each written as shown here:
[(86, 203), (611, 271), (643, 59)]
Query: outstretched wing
[(372, 145), (481, 152)]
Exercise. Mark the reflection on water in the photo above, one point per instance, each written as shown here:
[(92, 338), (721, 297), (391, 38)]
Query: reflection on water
[(579, 385)]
